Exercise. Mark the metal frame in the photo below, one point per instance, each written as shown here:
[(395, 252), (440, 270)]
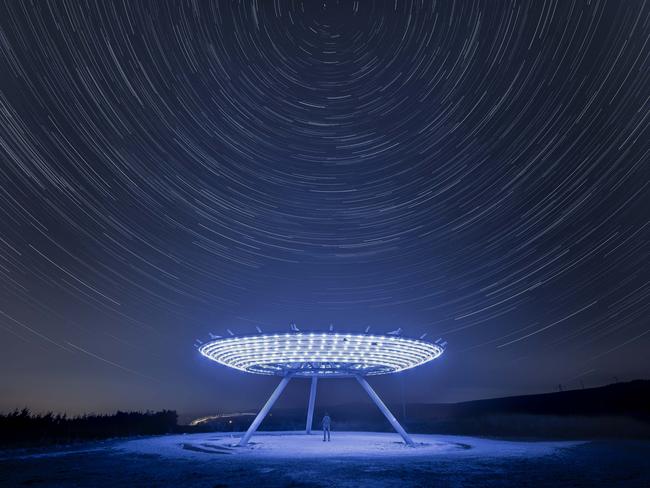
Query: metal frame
[(265, 409), (310, 410), (384, 409), (312, 401), (325, 354)]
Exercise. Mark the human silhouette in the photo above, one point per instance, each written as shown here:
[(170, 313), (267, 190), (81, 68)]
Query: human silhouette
[(327, 423)]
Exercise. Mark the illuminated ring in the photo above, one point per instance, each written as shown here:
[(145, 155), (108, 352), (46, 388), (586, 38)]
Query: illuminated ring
[(320, 354)]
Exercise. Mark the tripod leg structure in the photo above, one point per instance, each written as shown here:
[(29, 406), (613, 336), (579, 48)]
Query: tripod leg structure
[(312, 401), (265, 409), (384, 409)]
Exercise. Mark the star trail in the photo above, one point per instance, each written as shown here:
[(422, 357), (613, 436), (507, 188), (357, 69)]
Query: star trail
[(477, 171)]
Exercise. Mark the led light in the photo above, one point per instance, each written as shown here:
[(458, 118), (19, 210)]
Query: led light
[(320, 354)]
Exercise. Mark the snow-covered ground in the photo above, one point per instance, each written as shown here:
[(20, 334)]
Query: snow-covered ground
[(292, 445), (351, 459)]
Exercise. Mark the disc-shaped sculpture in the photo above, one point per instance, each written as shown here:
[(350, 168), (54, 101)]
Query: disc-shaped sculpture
[(321, 355)]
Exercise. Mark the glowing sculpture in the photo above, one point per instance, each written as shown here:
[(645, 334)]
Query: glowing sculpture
[(315, 355)]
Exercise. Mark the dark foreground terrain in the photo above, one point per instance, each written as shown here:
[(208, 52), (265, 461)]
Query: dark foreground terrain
[(350, 460)]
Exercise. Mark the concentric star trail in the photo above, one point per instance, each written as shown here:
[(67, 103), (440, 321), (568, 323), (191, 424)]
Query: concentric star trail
[(478, 170)]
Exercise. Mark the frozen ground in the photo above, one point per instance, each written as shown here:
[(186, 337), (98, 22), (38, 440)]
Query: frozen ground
[(351, 459)]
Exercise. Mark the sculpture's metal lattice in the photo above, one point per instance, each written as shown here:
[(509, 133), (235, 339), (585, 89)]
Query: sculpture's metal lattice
[(321, 355)]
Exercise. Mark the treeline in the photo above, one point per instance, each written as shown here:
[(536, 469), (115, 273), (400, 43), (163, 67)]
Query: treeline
[(23, 427)]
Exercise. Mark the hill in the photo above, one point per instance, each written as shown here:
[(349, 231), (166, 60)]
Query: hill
[(616, 410)]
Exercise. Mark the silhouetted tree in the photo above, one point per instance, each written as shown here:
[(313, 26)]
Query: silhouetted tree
[(20, 426)]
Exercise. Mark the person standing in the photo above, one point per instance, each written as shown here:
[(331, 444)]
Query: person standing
[(327, 423)]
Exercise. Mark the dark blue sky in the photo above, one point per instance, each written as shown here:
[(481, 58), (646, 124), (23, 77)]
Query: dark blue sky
[(478, 171)]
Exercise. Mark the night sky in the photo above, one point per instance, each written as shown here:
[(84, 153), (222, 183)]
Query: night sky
[(476, 171)]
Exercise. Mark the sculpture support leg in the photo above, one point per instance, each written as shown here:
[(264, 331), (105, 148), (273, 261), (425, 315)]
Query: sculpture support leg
[(265, 409), (312, 401), (384, 409)]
